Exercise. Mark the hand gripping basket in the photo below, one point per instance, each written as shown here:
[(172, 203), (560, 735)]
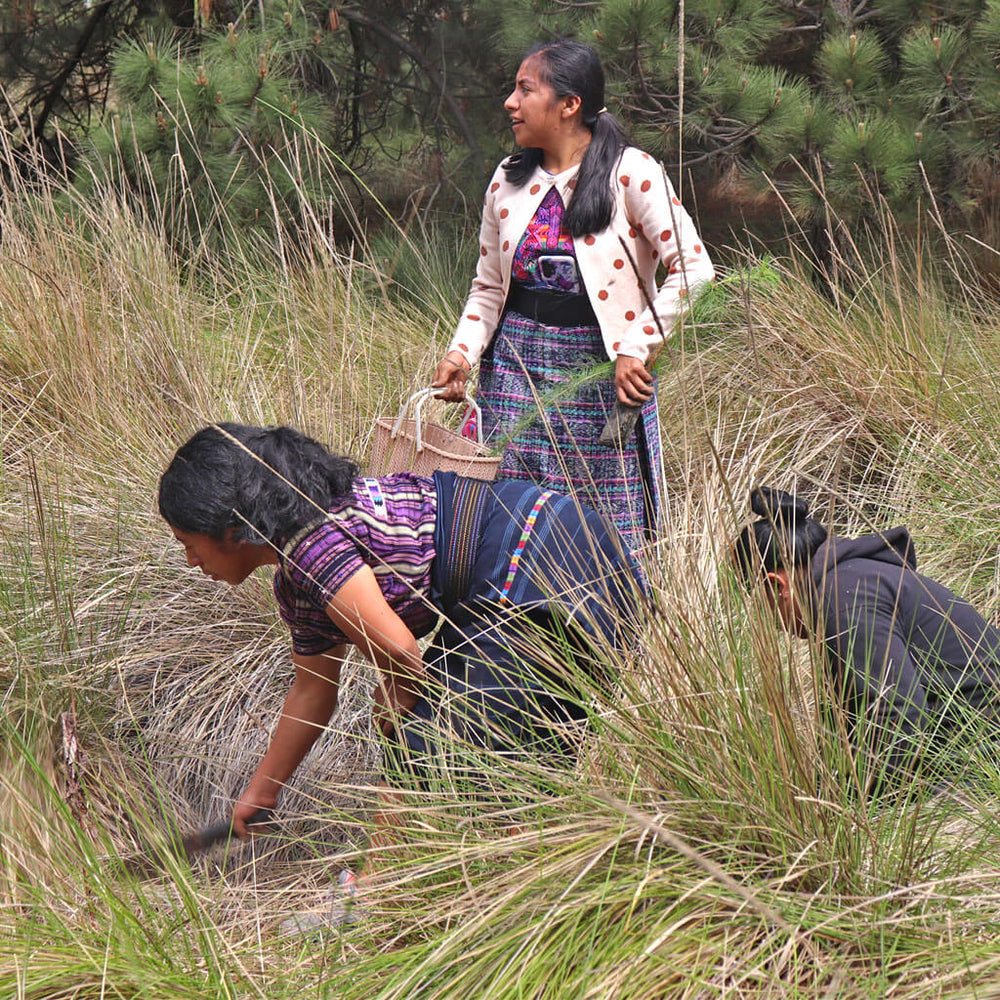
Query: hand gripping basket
[(411, 444)]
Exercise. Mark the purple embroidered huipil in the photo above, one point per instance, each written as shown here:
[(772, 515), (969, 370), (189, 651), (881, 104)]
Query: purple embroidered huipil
[(387, 524)]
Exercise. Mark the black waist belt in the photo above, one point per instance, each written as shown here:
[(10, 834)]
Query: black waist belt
[(551, 308)]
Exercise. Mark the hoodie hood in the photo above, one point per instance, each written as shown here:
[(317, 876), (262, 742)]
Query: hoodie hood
[(893, 547)]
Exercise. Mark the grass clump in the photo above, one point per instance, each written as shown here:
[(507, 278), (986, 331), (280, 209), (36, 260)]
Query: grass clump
[(708, 842)]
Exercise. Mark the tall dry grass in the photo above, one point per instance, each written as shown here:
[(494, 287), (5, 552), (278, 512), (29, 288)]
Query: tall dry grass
[(707, 843)]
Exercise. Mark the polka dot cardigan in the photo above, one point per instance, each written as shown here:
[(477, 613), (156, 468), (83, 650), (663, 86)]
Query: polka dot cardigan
[(648, 216)]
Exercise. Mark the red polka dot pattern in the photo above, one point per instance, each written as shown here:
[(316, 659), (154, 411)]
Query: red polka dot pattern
[(619, 264), (645, 185), (504, 212), (495, 186), (589, 240), (602, 294), (630, 315), (474, 317), (535, 188), (625, 180), (665, 235)]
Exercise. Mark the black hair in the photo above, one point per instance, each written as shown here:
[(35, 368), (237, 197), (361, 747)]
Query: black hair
[(251, 484), (785, 536), (569, 68)]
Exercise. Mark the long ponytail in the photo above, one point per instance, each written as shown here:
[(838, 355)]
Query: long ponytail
[(572, 68)]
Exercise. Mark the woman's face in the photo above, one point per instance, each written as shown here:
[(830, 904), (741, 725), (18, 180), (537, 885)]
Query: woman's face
[(221, 559), (535, 111)]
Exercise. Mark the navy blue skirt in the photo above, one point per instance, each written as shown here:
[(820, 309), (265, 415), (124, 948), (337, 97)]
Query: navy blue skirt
[(547, 593)]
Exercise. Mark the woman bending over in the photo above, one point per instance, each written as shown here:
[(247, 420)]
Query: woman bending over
[(912, 663), (527, 580)]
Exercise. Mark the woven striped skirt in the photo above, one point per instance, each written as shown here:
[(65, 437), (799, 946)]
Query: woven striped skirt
[(544, 406)]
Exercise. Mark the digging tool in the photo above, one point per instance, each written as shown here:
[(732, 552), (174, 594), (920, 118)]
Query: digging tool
[(621, 424), (188, 847)]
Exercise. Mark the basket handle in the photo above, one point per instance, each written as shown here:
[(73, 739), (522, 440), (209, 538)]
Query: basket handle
[(417, 400)]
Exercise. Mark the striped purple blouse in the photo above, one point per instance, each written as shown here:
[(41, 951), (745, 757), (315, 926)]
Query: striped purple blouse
[(387, 524)]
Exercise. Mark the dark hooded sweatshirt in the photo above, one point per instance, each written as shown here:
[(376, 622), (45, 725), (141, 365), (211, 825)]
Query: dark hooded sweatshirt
[(908, 657)]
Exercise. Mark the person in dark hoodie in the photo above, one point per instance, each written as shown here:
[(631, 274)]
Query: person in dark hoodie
[(915, 666)]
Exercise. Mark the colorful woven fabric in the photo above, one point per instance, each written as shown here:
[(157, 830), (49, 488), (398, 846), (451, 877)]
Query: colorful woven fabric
[(543, 236), (542, 406), (538, 403), (387, 524), (515, 559)]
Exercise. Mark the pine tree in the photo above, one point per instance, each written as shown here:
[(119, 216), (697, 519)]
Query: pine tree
[(202, 110), (840, 107), (54, 63), (197, 140)]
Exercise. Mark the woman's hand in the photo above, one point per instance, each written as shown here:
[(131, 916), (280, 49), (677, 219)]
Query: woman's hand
[(632, 381), (249, 804), (394, 699), (450, 377)]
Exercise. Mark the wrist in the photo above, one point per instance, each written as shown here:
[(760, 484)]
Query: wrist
[(262, 792), (459, 360)]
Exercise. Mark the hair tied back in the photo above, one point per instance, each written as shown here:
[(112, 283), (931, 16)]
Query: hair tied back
[(777, 505)]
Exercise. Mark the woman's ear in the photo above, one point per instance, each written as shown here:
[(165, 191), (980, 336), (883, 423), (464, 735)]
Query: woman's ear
[(777, 580), (785, 602), (572, 105)]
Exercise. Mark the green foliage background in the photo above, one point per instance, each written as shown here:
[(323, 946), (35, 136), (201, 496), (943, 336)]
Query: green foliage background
[(817, 105)]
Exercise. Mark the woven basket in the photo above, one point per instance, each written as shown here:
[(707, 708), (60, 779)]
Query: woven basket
[(411, 444)]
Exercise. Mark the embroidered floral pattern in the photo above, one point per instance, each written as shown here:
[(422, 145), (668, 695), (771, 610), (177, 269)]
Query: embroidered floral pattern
[(544, 236)]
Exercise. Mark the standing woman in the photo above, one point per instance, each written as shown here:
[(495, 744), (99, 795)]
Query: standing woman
[(912, 663), (556, 294), (535, 589)]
